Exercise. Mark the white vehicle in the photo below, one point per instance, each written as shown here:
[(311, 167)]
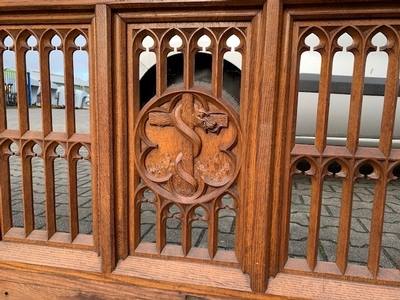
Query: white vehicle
[(81, 97)]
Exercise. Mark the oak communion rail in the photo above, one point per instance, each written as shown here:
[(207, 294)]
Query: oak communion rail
[(191, 177)]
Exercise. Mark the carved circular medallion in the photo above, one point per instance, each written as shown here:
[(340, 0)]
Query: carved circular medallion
[(187, 145)]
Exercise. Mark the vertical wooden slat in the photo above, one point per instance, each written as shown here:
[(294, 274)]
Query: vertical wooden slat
[(259, 155), (390, 97), (378, 211), (73, 194), (133, 107), (285, 230), (217, 71), (245, 91), (343, 244), (161, 227), (3, 101), (121, 126), (293, 77), (248, 109), (5, 196), (356, 97), (27, 191), (104, 134), (324, 94), (212, 238), (278, 210), (186, 233), (69, 49), (161, 69), (315, 215), (45, 84), (48, 162), (93, 135), (134, 223), (20, 51), (188, 66)]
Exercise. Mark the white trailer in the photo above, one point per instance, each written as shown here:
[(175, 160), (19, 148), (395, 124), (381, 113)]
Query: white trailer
[(81, 97), (374, 89)]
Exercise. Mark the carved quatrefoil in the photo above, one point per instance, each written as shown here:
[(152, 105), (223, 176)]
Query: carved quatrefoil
[(187, 146)]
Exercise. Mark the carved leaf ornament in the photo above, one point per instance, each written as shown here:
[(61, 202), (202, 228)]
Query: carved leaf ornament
[(188, 145)]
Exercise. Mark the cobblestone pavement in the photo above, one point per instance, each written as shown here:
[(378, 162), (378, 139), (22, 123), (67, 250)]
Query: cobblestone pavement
[(61, 193), (360, 222), (58, 116)]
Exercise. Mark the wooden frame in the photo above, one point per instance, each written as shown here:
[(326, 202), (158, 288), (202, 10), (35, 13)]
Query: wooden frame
[(263, 156)]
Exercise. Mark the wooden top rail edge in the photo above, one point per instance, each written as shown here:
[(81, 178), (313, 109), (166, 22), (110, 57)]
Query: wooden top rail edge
[(28, 5), (88, 4)]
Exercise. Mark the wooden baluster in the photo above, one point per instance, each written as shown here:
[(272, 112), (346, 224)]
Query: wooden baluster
[(3, 100), (356, 98), (317, 183), (213, 230), (69, 48), (135, 204), (378, 211), (27, 191), (342, 249), (5, 193), (391, 93), (186, 221), (217, 70), (326, 49), (45, 48), (188, 65), (5, 190), (20, 52), (161, 67), (72, 159), (161, 226), (48, 161)]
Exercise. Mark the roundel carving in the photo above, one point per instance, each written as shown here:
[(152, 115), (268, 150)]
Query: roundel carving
[(188, 146)]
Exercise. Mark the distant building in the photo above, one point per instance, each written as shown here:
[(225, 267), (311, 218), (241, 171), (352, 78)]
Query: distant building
[(79, 84), (56, 80)]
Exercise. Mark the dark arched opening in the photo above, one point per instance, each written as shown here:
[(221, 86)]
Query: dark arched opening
[(203, 63)]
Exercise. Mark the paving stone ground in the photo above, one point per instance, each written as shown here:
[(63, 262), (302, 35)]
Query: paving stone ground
[(300, 207), (360, 221)]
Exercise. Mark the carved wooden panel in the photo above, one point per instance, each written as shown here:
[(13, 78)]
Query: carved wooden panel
[(321, 160), (187, 136), (41, 199), (183, 163)]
